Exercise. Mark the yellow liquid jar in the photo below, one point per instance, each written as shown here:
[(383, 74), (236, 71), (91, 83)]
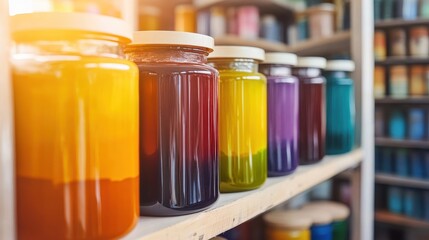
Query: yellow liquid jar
[(76, 127), (287, 225), (242, 118)]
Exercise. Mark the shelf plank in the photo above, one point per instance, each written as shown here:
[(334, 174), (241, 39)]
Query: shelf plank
[(233, 209), (336, 43), (323, 46), (272, 6), (403, 61), (388, 142), (407, 100), (390, 179), (399, 220), (390, 23)]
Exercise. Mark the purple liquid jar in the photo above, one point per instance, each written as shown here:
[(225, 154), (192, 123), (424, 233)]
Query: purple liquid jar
[(282, 113)]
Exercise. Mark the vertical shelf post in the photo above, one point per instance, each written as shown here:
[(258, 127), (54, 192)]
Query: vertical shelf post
[(7, 191), (363, 178)]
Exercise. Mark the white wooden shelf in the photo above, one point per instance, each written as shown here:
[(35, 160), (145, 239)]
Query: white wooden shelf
[(334, 44), (233, 209), (272, 6)]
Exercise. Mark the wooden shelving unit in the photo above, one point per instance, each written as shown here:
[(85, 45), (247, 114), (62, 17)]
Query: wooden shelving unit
[(337, 43), (388, 142), (278, 7), (402, 61), (400, 220), (407, 100), (400, 23), (233, 209), (389, 179)]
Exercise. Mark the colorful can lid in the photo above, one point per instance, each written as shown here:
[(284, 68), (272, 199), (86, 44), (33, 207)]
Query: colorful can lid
[(172, 38), (281, 58), (311, 62), (238, 52), (71, 21), (290, 219), (340, 65), (318, 216), (338, 211)]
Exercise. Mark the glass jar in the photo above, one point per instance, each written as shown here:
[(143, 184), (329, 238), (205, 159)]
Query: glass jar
[(76, 127), (178, 122), (287, 225), (243, 117), (340, 107), (321, 228), (282, 113), (312, 109)]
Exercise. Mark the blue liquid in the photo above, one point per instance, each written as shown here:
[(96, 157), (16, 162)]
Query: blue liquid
[(321, 232)]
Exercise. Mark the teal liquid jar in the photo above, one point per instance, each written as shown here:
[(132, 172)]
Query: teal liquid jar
[(340, 107)]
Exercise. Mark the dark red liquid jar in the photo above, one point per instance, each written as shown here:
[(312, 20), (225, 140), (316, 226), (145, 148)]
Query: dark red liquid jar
[(178, 122), (312, 109)]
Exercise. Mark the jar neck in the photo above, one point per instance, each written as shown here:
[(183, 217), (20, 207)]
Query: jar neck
[(307, 72), (69, 44), (167, 54), (236, 64), (280, 70), (337, 74)]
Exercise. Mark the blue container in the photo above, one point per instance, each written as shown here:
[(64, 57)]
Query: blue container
[(426, 164), (411, 203), (340, 107), (397, 124), (388, 9), (321, 232), (401, 166), (407, 9), (417, 164), (377, 159), (387, 160), (394, 196), (416, 123)]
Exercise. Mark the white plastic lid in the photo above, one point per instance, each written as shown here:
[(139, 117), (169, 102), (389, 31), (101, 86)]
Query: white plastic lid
[(238, 52), (290, 219), (318, 217), (337, 210), (281, 58), (172, 38), (311, 62), (71, 21), (329, 7), (340, 65)]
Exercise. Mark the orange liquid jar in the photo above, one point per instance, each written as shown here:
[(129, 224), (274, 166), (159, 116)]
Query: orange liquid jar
[(76, 127)]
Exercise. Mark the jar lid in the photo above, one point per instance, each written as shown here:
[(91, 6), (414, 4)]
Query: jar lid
[(281, 58), (338, 211), (311, 62), (318, 216), (326, 7), (71, 21), (172, 38), (340, 65), (218, 238), (291, 219), (238, 52)]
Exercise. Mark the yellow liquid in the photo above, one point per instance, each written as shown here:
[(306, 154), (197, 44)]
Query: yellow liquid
[(76, 128), (243, 130), (273, 233)]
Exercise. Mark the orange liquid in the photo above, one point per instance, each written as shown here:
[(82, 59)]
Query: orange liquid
[(99, 209)]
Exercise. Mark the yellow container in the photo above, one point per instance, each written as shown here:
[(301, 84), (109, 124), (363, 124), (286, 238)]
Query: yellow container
[(242, 117), (185, 18), (287, 225), (76, 127)]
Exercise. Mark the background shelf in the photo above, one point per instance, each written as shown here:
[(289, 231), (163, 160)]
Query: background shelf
[(399, 220), (390, 179), (278, 7), (388, 142), (269, 46), (403, 61), (233, 209), (400, 23), (408, 100)]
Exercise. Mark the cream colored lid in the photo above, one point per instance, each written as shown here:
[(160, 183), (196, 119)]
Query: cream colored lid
[(311, 62), (291, 219), (340, 65), (281, 58), (326, 7), (218, 238), (318, 216), (71, 21), (238, 52), (172, 38), (337, 210)]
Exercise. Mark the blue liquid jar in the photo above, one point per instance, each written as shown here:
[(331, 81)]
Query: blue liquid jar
[(417, 164), (322, 223), (397, 124), (340, 107), (394, 196), (416, 123), (386, 160), (402, 166)]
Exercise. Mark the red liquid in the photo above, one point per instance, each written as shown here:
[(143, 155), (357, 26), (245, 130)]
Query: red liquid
[(178, 138), (312, 115)]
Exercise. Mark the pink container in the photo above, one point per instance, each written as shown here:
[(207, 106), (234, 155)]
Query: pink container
[(321, 20), (248, 22)]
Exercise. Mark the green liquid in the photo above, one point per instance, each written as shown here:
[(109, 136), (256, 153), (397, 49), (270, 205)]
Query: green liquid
[(339, 230), (242, 173)]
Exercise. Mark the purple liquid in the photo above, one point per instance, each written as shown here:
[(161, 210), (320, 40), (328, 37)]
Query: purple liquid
[(282, 120)]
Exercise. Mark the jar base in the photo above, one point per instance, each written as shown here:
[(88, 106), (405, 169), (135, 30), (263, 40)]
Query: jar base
[(162, 211)]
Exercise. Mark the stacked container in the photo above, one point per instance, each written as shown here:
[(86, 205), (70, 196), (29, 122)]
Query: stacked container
[(287, 225), (178, 122), (340, 107), (282, 113), (76, 127), (243, 117)]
